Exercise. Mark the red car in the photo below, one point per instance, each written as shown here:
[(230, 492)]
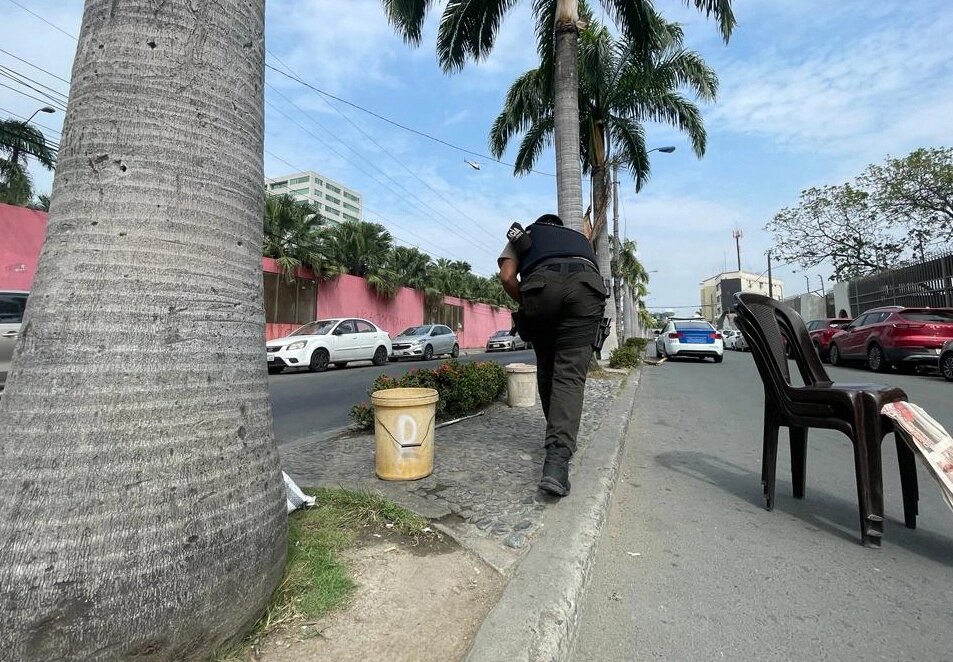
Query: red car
[(823, 330), (894, 336)]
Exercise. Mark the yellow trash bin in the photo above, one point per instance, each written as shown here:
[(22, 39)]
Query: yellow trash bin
[(403, 431)]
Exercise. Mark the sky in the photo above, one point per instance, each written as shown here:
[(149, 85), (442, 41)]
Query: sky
[(810, 93)]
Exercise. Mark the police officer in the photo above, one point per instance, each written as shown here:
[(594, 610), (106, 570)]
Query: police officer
[(562, 300)]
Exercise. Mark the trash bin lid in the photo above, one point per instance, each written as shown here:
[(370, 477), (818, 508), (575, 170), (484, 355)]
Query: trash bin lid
[(519, 368), (404, 397)]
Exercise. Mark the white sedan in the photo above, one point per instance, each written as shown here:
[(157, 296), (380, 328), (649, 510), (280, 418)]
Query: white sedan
[(694, 337), (339, 341)]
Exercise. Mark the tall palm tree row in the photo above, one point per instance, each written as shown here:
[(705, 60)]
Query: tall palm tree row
[(634, 280), (19, 142), (621, 87), (296, 235), (468, 31), (142, 509)]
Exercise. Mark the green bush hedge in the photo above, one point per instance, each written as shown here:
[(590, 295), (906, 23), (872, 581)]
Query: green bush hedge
[(463, 388), (637, 343), (627, 356)]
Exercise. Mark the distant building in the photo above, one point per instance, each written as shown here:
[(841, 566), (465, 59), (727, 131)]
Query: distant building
[(335, 201), (717, 293)]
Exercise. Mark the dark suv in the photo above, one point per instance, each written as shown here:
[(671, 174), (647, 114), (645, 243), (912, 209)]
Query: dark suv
[(822, 331), (894, 336)]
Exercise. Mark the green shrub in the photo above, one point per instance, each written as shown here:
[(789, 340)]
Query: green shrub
[(463, 388), (637, 343), (625, 357)]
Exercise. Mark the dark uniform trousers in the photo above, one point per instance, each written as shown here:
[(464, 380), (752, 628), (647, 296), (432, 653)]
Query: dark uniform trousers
[(563, 301)]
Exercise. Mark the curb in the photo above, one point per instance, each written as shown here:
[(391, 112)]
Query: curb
[(536, 617)]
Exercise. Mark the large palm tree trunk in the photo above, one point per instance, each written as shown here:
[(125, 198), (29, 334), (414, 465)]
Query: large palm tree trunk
[(141, 504), (600, 195), (566, 114)]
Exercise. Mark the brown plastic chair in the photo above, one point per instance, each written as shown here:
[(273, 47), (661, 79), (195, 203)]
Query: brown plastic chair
[(853, 409)]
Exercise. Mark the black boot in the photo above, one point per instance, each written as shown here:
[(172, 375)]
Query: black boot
[(556, 470)]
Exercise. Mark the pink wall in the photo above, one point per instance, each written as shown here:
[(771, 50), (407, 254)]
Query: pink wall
[(350, 296), (22, 232), (479, 322)]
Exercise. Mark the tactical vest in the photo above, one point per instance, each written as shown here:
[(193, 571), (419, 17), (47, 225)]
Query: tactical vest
[(553, 241)]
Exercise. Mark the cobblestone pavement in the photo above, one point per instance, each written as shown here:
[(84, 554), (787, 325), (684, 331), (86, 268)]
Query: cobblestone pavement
[(485, 469)]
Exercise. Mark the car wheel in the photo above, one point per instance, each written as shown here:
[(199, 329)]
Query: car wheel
[(946, 366), (380, 356), (274, 370), (340, 364), (428, 353), (834, 355), (455, 352), (875, 359), (719, 359), (319, 360)]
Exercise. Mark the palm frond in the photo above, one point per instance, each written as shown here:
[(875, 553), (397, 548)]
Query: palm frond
[(468, 30), (407, 17)]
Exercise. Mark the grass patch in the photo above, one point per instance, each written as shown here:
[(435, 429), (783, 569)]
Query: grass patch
[(316, 581)]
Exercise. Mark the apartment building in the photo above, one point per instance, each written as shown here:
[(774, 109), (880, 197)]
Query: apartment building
[(717, 293), (334, 200)]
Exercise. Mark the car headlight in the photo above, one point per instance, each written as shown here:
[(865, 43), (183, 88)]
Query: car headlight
[(296, 345)]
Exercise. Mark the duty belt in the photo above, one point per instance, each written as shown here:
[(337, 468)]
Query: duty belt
[(567, 265)]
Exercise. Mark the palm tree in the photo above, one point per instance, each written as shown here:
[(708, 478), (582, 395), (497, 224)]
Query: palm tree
[(293, 236), (363, 249), (41, 202), (621, 87), (18, 142), (468, 30), (635, 280), (142, 510), (410, 266)]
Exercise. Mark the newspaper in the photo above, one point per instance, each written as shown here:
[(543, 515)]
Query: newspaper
[(294, 497), (931, 443)]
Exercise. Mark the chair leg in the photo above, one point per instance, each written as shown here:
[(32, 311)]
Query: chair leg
[(798, 438), (908, 482), (769, 457)]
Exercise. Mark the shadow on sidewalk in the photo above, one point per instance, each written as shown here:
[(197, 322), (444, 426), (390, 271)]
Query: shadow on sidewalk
[(818, 509)]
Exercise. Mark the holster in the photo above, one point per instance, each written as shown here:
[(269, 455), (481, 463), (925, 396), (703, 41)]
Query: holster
[(602, 332)]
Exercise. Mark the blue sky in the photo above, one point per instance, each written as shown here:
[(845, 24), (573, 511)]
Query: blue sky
[(811, 92)]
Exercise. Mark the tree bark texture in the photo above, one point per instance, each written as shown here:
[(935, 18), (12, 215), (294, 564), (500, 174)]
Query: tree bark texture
[(600, 194), (566, 115), (142, 511), (616, 247)]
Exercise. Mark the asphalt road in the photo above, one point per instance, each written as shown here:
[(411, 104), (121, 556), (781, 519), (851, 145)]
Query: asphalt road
[(306, 404), (691, 567)]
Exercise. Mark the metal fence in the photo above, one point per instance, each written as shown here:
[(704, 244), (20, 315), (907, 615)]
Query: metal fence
[(928, 283)]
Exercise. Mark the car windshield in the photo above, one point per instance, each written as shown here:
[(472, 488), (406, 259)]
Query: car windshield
[(928, 315), (500, 334), (416, 331), (694, 326), (319, 328)]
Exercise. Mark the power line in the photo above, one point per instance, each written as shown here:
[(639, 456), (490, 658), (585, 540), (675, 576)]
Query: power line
[(30, 96), (52, 25), (398, 124), (18, 78), (30, 64), (24, 118), (382, 183), (394, 158)]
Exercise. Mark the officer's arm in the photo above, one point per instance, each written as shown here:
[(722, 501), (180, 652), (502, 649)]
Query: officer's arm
[(508, 277)]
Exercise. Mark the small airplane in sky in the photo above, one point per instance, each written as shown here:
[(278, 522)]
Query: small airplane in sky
[(472, 164)]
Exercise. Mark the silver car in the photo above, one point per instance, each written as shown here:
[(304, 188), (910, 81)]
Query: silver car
[(502, 341), (425, 342), (11, 316)]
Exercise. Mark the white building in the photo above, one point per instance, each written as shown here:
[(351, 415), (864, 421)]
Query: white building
[(717, 293), (335, 201)]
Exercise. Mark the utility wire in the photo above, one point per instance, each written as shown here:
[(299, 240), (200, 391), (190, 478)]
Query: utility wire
[(398, 124), (43, 101), (395, 159), (30, 64), (52, 25), (434, 215), (52, 99), (24, 118)]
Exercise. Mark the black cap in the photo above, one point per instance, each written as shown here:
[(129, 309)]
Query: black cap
[(552, 219)]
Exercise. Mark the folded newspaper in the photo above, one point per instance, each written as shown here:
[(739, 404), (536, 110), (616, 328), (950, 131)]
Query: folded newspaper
[(932, 444), (294, 497)]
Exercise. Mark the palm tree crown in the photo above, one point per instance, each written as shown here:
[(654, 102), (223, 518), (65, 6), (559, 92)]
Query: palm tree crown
[(18, 142)]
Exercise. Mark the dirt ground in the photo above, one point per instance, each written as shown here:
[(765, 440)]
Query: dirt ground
[(413, 603)]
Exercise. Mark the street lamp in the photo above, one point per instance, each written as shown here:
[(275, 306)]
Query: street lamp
[(44, 109), (823, 289), (668, 149)]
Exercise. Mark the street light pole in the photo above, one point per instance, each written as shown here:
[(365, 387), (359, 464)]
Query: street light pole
[(44, 109), (770, 280), (823, 289), (807, 279)]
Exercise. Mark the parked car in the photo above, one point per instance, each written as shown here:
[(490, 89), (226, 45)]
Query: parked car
[(338, 341), (12, 304), (893, 336), (821, 332), (728, 338), (692, 337), (424, 342), (503, 341), (945, 363)]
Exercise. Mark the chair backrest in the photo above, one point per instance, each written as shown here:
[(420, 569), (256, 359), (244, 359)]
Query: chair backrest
[(768, 324)]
